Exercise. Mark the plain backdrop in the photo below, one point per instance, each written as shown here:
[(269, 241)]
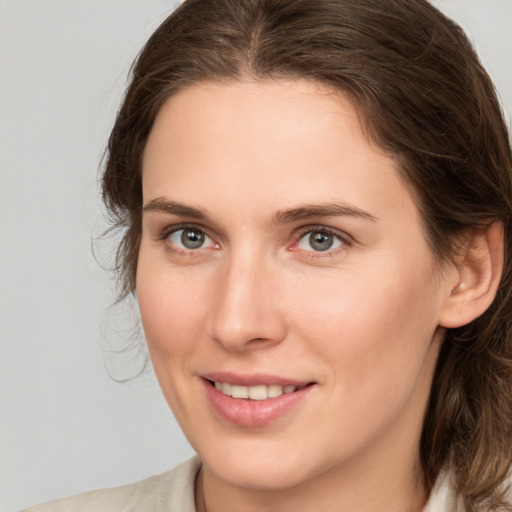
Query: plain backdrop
[(65, 424)]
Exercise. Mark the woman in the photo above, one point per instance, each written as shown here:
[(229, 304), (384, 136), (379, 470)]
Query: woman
[(317, 201)]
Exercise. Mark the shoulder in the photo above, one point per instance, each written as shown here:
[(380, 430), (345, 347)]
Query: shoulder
[(172, 491), (444, 499)]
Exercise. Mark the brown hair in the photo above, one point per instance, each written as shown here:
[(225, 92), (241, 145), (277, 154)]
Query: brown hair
[(424, 97)]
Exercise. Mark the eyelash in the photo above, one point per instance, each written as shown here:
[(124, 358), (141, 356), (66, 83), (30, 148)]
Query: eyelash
[(167, 232), (343, 238)]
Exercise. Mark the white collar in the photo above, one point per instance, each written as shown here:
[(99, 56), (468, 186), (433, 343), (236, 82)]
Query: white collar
[(443, 498)]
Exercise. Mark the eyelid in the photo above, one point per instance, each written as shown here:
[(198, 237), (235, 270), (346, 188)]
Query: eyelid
[(173, 228), (346, 239)]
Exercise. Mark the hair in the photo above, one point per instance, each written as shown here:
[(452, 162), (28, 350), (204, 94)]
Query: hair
[(423, 97)]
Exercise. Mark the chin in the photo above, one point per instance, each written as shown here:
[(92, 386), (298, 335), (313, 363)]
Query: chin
[(262, 465), (259, 475)]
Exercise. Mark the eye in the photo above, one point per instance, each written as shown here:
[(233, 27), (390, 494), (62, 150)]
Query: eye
[(190, 238), (320, 240)]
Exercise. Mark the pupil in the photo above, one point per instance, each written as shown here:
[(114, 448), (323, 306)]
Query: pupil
[(321, 241), (192, 239)]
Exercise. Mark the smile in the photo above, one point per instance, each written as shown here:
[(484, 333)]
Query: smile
[(250, 401), (260, 392)]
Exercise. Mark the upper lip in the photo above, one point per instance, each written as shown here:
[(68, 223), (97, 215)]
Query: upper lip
[(256, 379)]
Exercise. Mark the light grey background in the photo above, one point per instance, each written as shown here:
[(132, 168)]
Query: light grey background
[(65, 425)]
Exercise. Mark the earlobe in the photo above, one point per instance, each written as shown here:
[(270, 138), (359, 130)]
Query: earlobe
[(479, 270)]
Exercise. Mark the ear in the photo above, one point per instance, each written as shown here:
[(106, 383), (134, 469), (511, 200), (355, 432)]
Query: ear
[(479, 267)]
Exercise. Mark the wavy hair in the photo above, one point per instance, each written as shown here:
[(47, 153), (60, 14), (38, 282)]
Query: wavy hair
[(422, 96)]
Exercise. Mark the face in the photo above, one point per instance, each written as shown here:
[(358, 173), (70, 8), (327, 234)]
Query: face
[(289, 299)]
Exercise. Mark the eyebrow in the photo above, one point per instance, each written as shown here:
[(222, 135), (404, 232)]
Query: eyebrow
[(321, 210), (308, 211), (163, 205)]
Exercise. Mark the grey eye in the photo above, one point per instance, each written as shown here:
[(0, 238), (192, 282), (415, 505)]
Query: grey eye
[(190, 238), (319, 241)]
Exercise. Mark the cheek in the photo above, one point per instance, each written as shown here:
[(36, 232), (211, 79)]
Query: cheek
[(374, 335), (374, 327), (173, 311), (173, 316)]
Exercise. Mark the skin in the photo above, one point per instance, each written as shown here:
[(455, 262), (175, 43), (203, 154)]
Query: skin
[(361, 320)]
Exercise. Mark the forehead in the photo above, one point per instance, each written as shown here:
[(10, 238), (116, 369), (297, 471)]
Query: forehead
[(272, 143)]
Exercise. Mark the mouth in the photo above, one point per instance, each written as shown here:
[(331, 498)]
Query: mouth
[(255, 401), (259, 392)]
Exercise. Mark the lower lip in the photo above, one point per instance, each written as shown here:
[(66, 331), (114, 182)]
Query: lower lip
[(253, 413)]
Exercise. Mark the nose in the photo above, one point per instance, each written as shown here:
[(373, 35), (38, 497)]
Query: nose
[(246, 314)]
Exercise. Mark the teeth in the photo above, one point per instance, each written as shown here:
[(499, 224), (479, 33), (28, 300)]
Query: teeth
[(239, 391), (258, 392), (261, 392), (274, 390)]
